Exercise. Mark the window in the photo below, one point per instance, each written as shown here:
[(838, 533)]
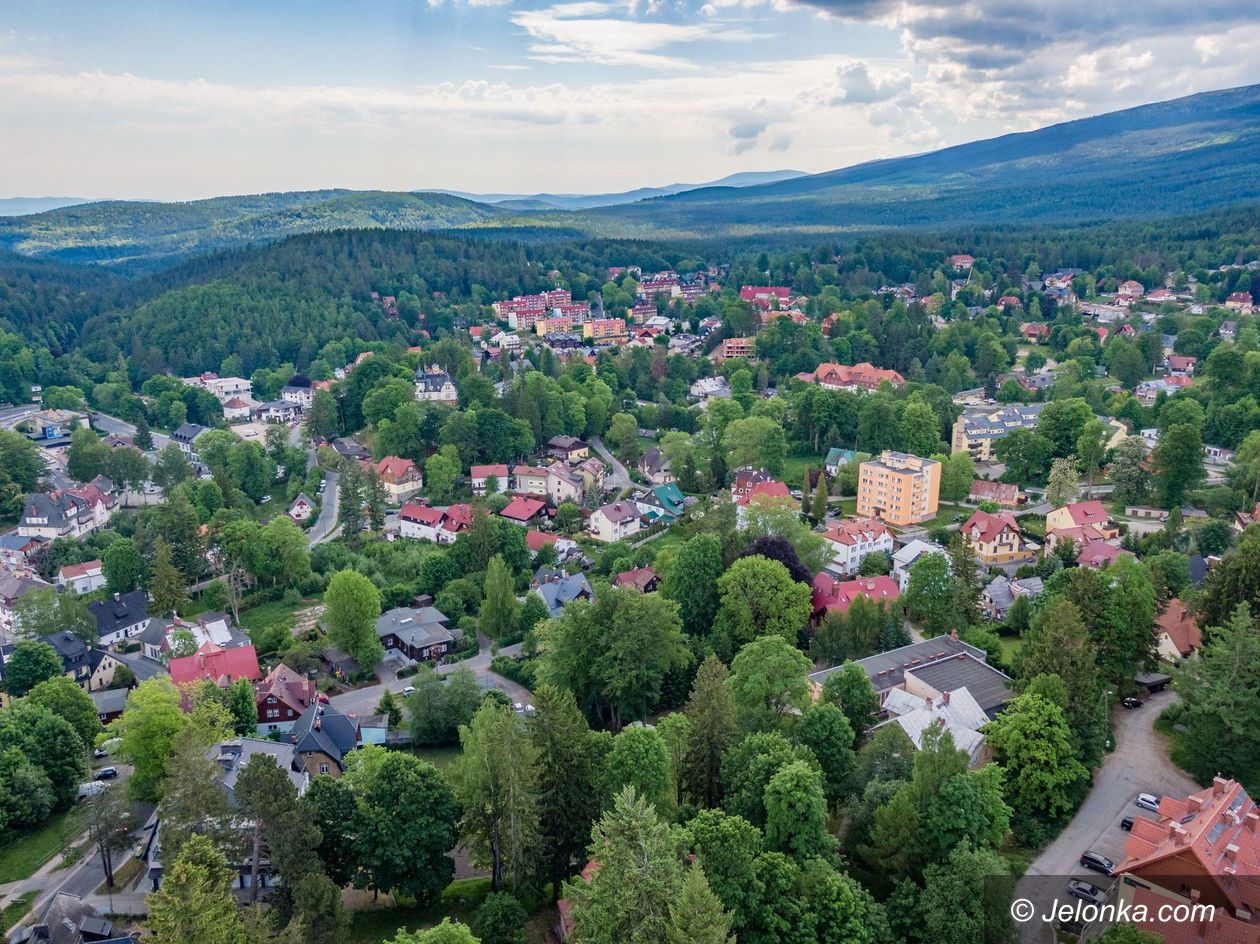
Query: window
[(323, 768)]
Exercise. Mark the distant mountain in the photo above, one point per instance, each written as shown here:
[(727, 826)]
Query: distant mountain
[(1173, 157), (586, 201), (142, 234), (21, 206)]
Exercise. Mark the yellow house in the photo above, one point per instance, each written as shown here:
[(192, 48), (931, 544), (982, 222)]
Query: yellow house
[(899, 488)]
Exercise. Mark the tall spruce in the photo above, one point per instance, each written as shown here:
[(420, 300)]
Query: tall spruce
[(711, 711)]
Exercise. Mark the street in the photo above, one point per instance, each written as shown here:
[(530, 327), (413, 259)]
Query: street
[(363, 701), (109, 424), (1140, 763), (619, 480), (323, 527)]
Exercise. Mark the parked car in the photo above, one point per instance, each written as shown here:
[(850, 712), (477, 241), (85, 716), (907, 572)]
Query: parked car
[(90, 790), (1147, 801), (1086, 892), (1127, 823), (1096, 862), (106, 773), (409, 690), (264, 499), (1132, 702)]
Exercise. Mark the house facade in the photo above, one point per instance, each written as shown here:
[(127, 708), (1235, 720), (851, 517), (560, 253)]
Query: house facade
[(899, 488), (851, 539), (615, 522), (998, 539), (401, 477)]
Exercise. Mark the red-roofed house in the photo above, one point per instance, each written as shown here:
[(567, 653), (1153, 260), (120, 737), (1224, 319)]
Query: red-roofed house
[(851, 539), (422, 522), (1203, 849), (530, 480), (1035, 330), (998, 492), (766, 296), (1081, 522), (1181, 365), (1096, 554), (537, 540), (643, 579), (1010, 301), (1131, 287), (962, 262), (458, 518), (282, 696), (998, 539), (864, 376), (1239, 302), (1177, 634), (831, 594), (216, 664), (400, 476), (480, 474), (523, 510), (82, 578)]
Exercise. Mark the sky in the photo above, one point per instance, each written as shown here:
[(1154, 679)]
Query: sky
[(149, 99)]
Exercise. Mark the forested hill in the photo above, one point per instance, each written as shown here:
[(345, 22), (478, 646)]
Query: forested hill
[(141, 235), (1173, 157)]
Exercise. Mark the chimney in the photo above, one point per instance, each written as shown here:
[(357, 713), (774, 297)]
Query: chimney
[(1231, 854), (1218, 785), (117, 596), (201, 660), (953, 634), (1251, 821), (945, 698), (1195, 803)]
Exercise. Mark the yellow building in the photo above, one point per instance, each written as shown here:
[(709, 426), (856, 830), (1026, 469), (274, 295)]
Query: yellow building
[(898, 488)]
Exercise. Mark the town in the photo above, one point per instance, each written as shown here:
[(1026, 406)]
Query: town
[(861, 598)]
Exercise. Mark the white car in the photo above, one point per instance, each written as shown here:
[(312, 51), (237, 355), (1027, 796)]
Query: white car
[(409, 690), (95, 788), (1147, 801)]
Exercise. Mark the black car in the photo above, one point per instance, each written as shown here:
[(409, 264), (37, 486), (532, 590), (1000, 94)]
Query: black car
[(1096, 862), (1132, 702), (1127, 823), (106, 773)]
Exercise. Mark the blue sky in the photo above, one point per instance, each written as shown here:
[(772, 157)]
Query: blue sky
[(183, 100)]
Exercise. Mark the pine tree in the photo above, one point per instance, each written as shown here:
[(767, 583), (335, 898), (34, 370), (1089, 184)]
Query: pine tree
[(805, 492), (711, 711), (167, 585), (143, 438), (696, 916), (500, 612), (820, 498), (195, 904)]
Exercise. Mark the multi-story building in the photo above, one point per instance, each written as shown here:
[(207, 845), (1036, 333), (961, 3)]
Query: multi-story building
[(530, 480), (605, 330), (978, 431), (434, 385), (67, 513), (899, 488), (851, 539), (738, 347), (998, 539), (479, 477), (614, 522), (864, 376), (401, 477), (282, 697), (564, 484)]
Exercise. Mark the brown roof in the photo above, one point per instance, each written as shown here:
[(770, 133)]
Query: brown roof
[(1180, 626), (995, 491)]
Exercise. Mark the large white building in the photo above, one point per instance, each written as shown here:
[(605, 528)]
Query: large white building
[(851, 539)]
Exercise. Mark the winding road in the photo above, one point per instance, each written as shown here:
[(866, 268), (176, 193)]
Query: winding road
[(619, 481)]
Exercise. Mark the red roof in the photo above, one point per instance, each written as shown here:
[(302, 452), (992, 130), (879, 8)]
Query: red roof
[(393, 468), (854, 531), (1087, 512), (1181, 362), (522, 508), (640, 579), (499, 471), (458, 517), (770, 489), (537, 540), (74, 571), (864, 375), (995, 491), (1035, 329), (1180, 626), (420, 514), (216, 664), (831, 594), (1098, 554), (984, 528), (236, 403), (288, 687)]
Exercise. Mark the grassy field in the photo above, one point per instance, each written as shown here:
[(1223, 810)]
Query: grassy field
[(794, 468), (268, 614), (1010, 646), (439, 757), (25, 854), (459, 901), (16, 910)]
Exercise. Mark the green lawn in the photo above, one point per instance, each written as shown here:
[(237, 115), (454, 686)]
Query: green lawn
[(268, 614), (1010, 646), (794, 468), (25, 854), (16, 910), (459, 902), (440, 757)]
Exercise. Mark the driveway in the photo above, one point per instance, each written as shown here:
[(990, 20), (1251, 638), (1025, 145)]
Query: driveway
[(620, 479), (363, 701), (1139, 764)]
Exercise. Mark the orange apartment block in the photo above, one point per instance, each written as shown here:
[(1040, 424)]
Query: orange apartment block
[(899, 488)]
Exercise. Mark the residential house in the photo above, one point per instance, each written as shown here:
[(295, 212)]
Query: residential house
[(17, 550), (68, 512), (563, 484), (163, 637), (1035, 331), (955, 711), (424, 523), (654, 466), (1204, 850), (643, 579), (109, 703), (1148, 390), (864, 376), (434, 385), (121, 616), (558, 588), (837, 457), (1240, 303), (530, 480), (479, 476), (67, 919), (998, 539), (1181, 365), (1228, 330), (302, 508), (52, 425), (237, 409), (227, 388), (1177, 634), (1132, 288), (1000, 493), (523, 510), (831, 595), (766, 296), (322, 737), (186, 438), (401, 477), (1097, 554), (979, 431), (81, 578), (537, 540), (1081, 522), (299, 392), (961, 262), (906, 556), (76, 657), (899, 488), (276, 411), (932, 667), (708, 388), (615, 521), (1244, 518), (568, 448), (737, 347), (216, 664), (593, 473), (997, 598), (283, 696), (15, 583), (417, 634), (851, 539), (664, 502)]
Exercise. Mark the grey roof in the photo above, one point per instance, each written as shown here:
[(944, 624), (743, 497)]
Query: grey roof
[(325, 729), (142, 666), (12, 541), (14, 585), (430, 380), (989, 687), (887, 669), (418, 627), (1002, 590), (233, 755), (556, 593), (991, 423), (68, 645), (1198, 569), (64, 920), (119, 611), (55, 507), (188, 432), (109, 700)]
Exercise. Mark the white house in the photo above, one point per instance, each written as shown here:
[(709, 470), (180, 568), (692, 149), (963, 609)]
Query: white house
[(851, 539), (905, 558), (563, 484), (479, 477), (121, 616), (615, 522), (302, 508), (81, 578), (434, 385)]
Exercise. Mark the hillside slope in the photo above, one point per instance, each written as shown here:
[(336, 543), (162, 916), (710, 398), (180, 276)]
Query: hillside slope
[(1171, 157), (142, 234)]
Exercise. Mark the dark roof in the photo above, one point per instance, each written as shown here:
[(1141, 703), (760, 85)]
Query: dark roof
[(325, 729), (1198, 569), (989, 687), (187, 433), (887, 669), (119, 611), (68, 645)]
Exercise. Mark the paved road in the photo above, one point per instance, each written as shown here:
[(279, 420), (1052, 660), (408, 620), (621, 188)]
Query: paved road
[(363, 701), (1139, 764), (111, 424), (323, 527), (620, 478)]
